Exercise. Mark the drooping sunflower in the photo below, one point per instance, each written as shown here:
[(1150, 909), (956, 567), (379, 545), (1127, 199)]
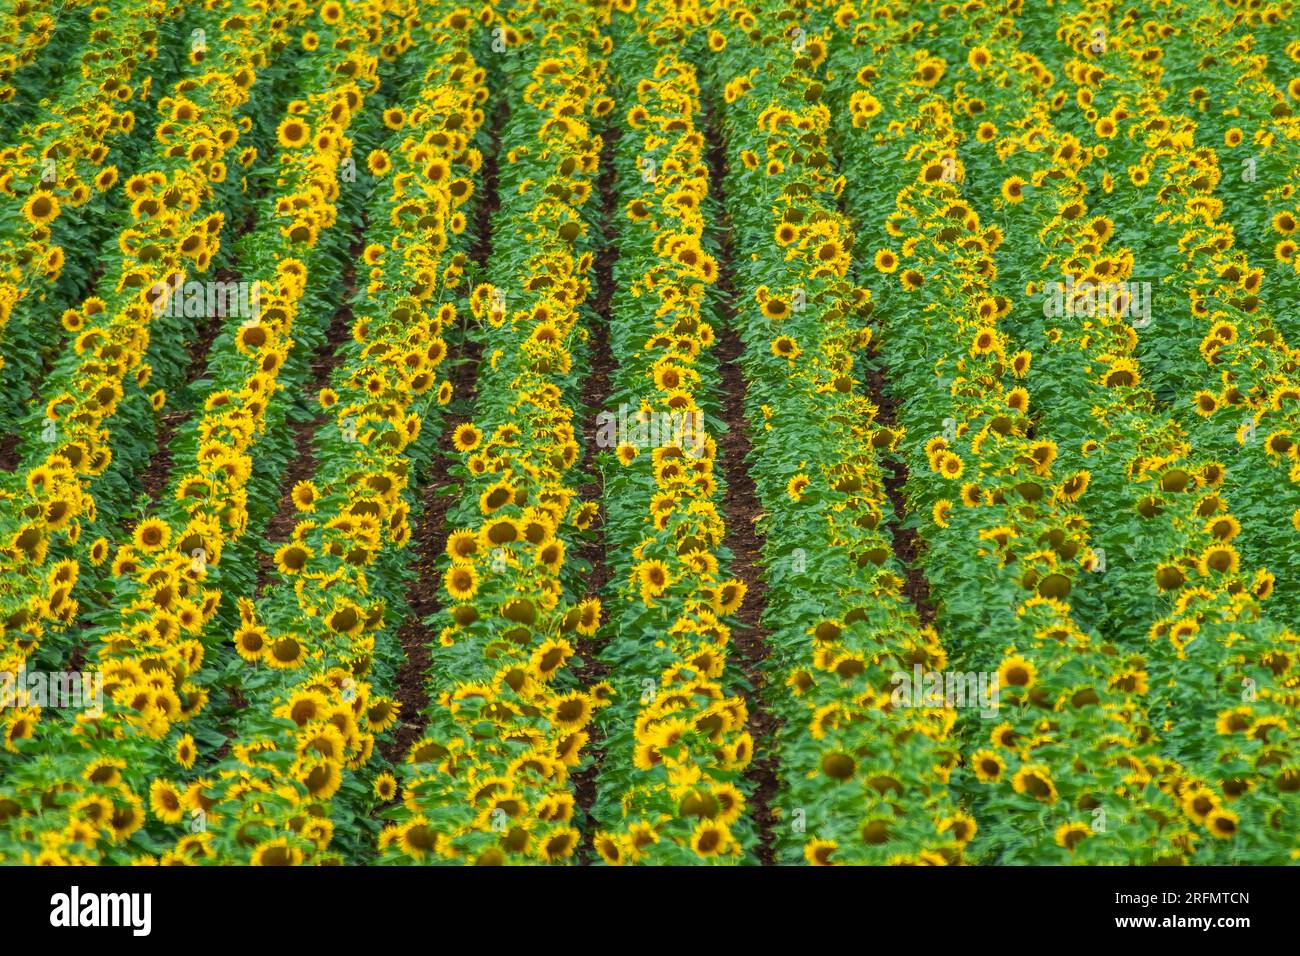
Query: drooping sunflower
[(1035, 780), (186, 751), (796, 486)]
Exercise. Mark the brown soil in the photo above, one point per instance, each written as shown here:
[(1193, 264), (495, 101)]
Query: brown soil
[(595, 398), (596, 393), (906, 542), (153, 480), (429, 537), (304, 463), (9, 452), (741, 510)]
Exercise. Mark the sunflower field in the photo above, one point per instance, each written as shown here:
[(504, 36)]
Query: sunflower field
[(659, 432)]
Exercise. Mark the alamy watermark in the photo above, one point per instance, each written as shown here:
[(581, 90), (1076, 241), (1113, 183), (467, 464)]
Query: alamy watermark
[(922, 688), (647, 430), (77, 909), (207, 299), (59, 690), (1130, 300)]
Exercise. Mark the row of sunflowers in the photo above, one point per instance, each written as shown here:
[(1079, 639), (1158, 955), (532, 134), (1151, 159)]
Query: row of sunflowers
[(173, 231), (490, 780), (57, 186), (1071, 755), (33, 34), (676, 740), (737, 373), (161, 645), (1181, 588), (863, 775), (1128, 453)]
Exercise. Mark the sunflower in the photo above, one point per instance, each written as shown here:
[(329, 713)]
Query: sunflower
[(549, 657), (710, 839), (385, 787), (987, 766), (796, 486), (321, 776), (126, 819), (588, 617), (609, 848), (250, 641), (466, 437), (106, 178), (818, 852), (572, 711), (20, 725), (1073, 487), (654, 579), (305, 495), (785, 347), (551, 555), (1220, 559), (496, 496), (730, 596), (276, 852), (292, 558), (186, 752), (1035, 780), (885, 260), (1122, 373), (462, 545), (1222, 823), (941, 511), (285, 652), (951, 465), (461, 581), (985, 342), (560, 844), (1015, 671), (152, 534), (293, 133), (41, 208), (1070, 835), (166, 802)]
